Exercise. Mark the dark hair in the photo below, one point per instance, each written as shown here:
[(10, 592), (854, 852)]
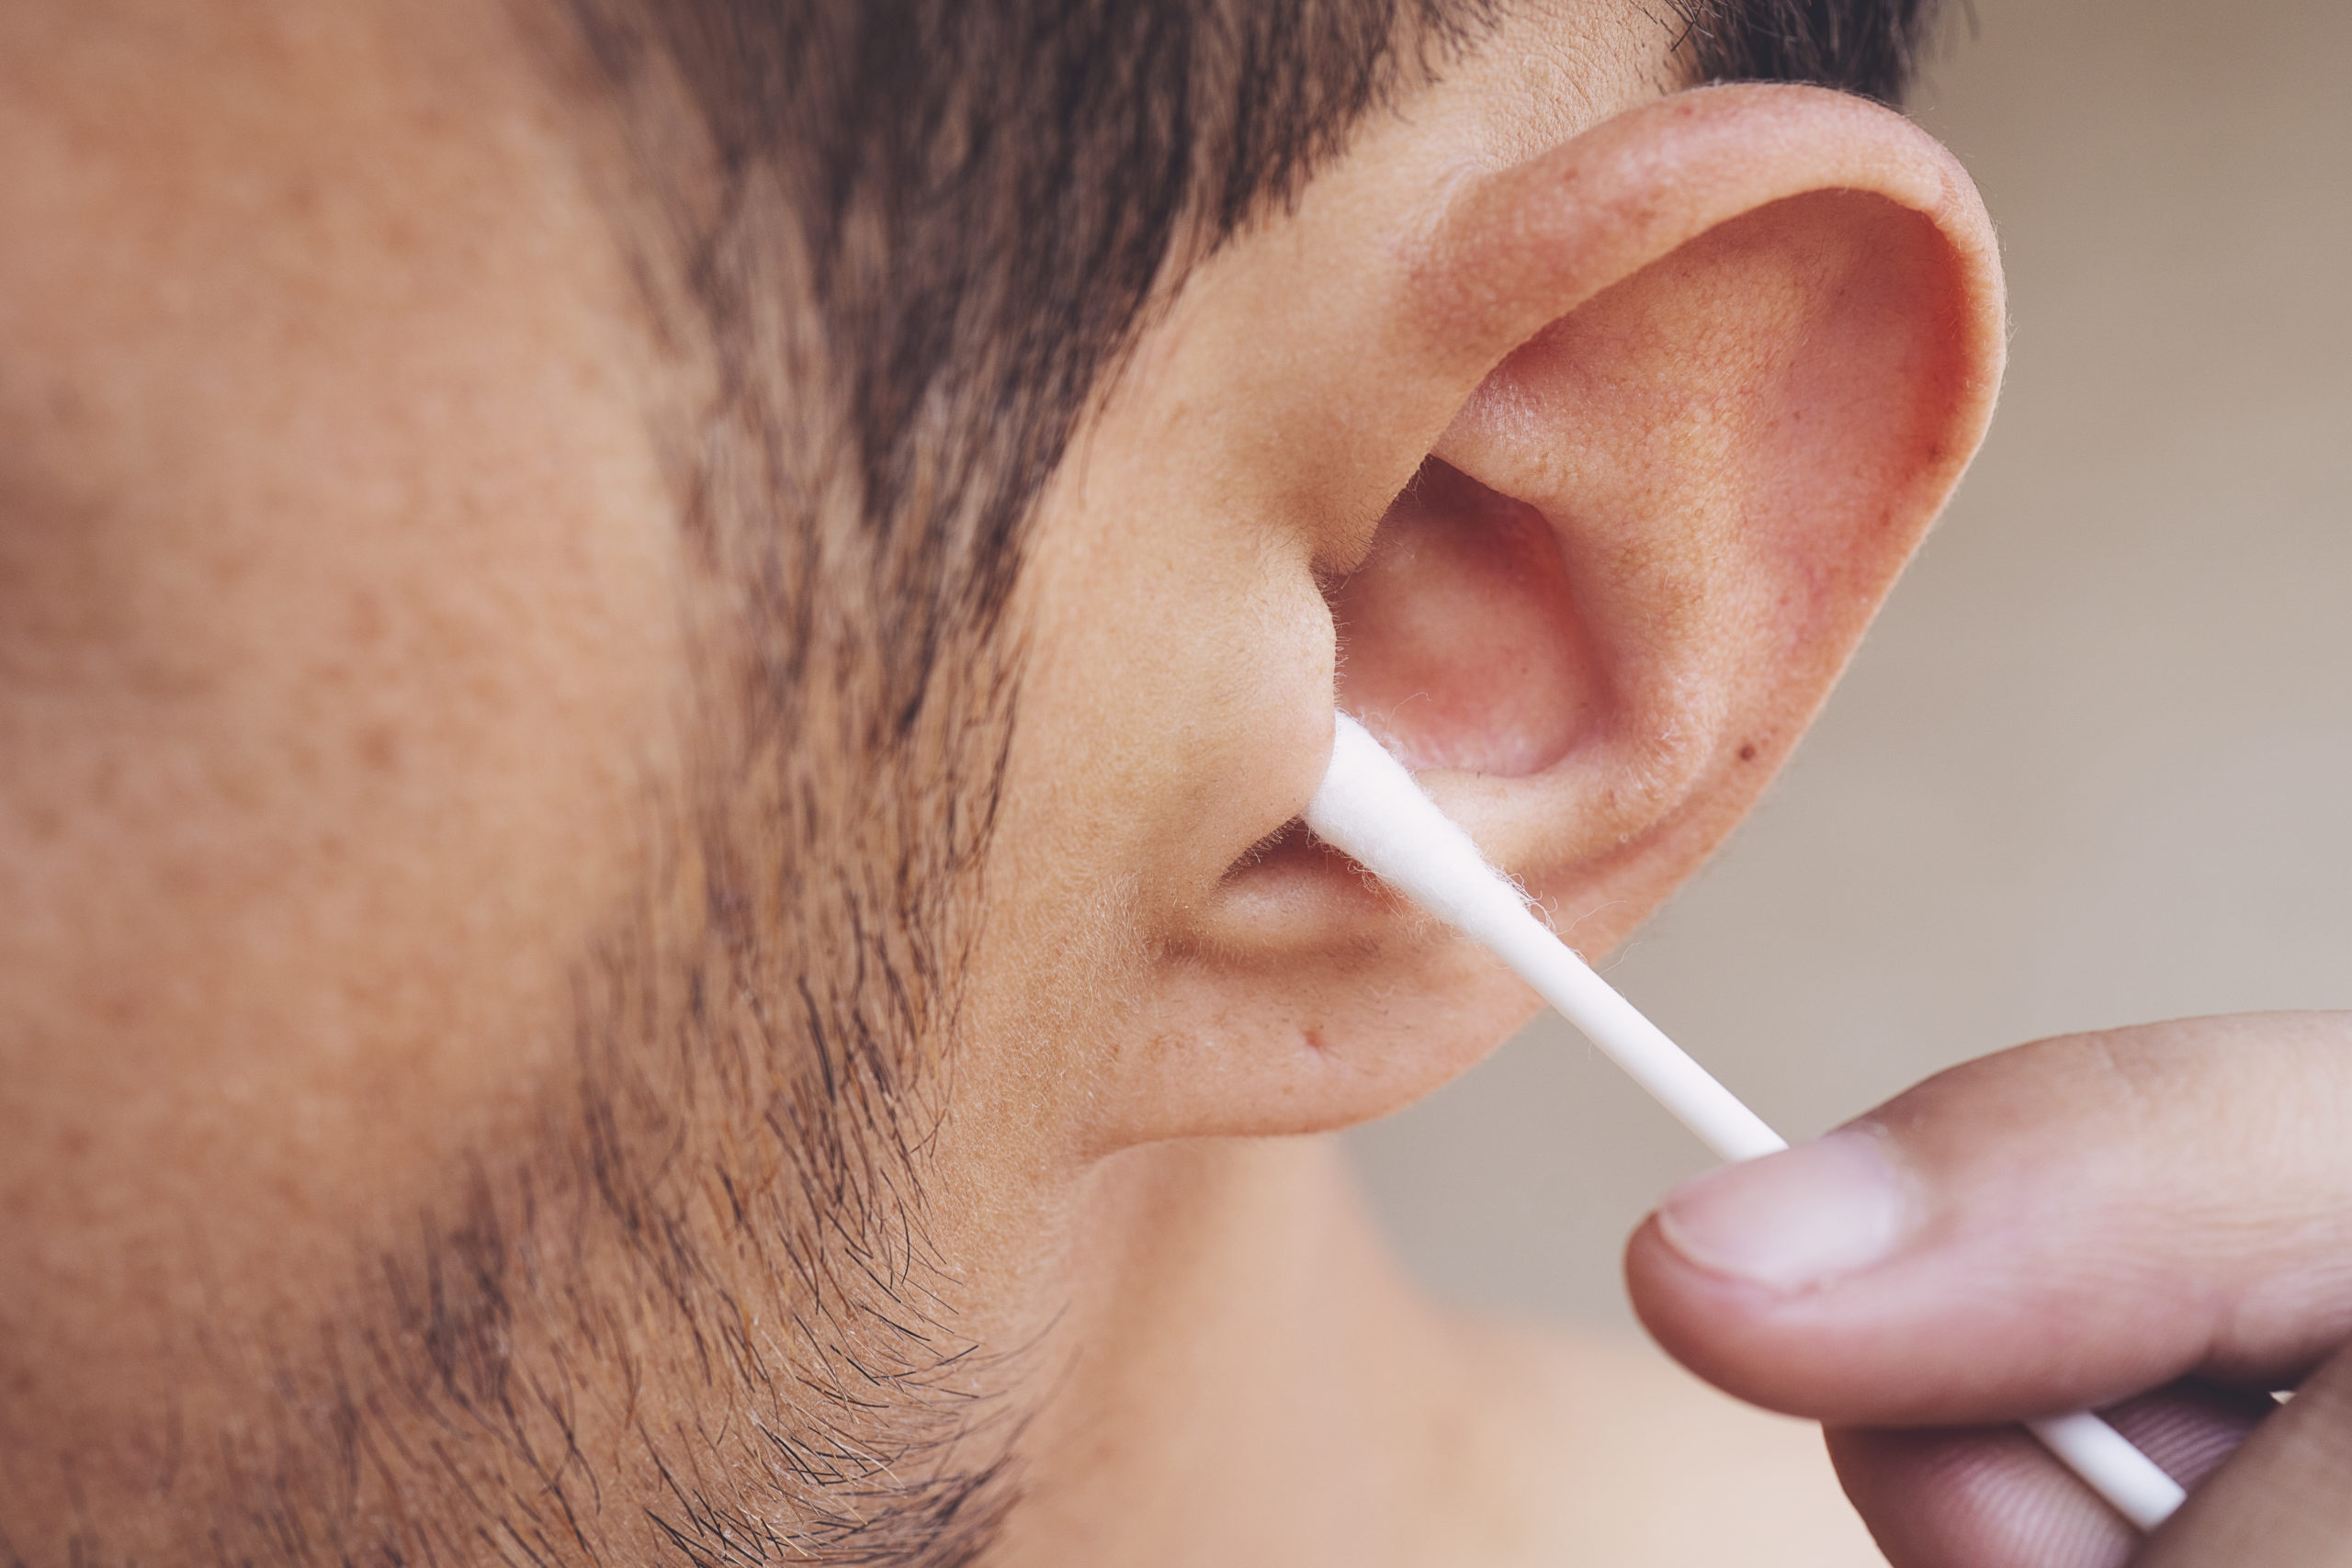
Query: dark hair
[(1871, 46), (977, 198)]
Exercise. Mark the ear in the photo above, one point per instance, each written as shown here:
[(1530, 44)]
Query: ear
[(1662, 410)]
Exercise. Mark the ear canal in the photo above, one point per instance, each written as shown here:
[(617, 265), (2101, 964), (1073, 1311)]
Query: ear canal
[(1459, 640)]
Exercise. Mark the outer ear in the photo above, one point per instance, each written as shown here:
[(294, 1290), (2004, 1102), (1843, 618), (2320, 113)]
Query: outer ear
[(1653, 535), (1682, 395)]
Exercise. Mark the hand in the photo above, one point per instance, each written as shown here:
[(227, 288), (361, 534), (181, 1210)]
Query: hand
[(2059, 1227)]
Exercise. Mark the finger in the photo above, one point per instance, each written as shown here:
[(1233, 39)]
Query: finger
[(1977, 1497), (2054, 1227), (2284, 1499), (1989, 1497)]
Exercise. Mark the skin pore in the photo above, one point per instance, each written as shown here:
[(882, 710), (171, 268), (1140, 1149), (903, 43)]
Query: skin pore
[(407, 1150)]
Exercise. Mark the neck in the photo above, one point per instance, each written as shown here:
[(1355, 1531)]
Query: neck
[(1249, 1379)]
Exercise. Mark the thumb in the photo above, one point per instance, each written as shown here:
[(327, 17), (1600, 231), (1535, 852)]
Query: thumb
[(2052, 1228)]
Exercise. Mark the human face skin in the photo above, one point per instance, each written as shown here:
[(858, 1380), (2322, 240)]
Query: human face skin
[(338, 661), (341, 678), (349, 698), (343, 686)]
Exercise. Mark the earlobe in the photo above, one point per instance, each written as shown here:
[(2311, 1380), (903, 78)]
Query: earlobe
[(1679, 398)]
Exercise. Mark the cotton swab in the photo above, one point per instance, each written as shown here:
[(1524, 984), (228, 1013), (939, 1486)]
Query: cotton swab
[(1373, 809)]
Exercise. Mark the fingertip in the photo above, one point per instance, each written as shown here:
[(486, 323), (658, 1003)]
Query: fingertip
[(1713, 1324)]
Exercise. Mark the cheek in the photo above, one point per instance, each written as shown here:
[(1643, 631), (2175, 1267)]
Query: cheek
[(337, 652), (290, 936)]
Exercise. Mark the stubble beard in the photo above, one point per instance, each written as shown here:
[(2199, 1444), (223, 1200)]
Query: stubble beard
[(700, 1315)]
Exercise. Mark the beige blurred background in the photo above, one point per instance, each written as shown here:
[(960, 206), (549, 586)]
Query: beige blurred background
[(2094, 765)]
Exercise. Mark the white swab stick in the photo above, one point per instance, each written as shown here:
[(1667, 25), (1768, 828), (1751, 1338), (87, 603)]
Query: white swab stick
[(2111, 1467), (1373, 809)]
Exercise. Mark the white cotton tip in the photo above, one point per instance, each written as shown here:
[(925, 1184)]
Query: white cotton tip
[(1371, 808)]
